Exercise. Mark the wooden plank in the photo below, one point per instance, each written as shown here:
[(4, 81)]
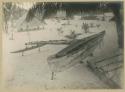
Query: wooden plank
[(106, 66), (49, 42), (28, 48), (102, 76)]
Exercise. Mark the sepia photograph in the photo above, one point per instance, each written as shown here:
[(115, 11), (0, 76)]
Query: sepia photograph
[(63, 45)]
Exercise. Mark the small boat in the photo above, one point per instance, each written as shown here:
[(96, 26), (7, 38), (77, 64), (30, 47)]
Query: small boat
[(75, 52)]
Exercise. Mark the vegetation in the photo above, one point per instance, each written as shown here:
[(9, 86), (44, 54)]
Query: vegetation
[(71, 8)]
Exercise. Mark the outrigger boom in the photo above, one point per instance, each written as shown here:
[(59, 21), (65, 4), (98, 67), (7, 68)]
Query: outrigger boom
[(38, 44)]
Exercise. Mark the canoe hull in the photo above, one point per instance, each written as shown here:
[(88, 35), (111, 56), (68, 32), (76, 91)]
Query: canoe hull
[(58, 64)]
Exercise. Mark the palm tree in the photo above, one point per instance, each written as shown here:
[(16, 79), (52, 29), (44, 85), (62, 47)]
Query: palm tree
[(7, 13)]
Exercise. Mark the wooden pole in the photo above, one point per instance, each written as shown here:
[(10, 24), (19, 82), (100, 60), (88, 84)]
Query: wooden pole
[(39, 49), (52, 77), (22, 54)]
